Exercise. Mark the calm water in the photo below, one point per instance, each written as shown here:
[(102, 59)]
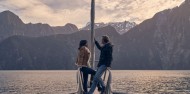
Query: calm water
[(62, 82)]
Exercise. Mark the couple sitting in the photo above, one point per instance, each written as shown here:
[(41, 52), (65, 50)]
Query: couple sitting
[(104, 62)]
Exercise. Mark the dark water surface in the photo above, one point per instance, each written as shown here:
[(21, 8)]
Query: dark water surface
[(63, 82)]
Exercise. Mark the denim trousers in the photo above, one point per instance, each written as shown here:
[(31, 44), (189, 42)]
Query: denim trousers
[(97, 78), (86, 71)]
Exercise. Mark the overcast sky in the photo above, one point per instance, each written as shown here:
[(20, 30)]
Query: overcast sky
[(60, 12)]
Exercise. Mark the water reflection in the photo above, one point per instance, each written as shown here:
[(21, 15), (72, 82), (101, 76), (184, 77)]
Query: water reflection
[(152, 82), (36, 82), (62, 82)]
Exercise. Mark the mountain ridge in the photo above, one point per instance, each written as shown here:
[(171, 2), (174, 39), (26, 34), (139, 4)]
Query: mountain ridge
[(158, 43), (47, 52), (11, 24), (121, 27)]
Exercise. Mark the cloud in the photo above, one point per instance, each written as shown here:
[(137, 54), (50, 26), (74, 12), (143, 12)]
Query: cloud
[(36, 11), (132, 10), (67, 4), (60, 12)]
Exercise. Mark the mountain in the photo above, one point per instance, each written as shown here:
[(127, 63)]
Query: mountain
[(49, 52), (68, 29), (121, 27), (9, 18), (11, 24), (161, 42)]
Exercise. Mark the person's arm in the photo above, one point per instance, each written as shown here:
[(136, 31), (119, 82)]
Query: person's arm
[(108, 56), (97, 45), (80, 57), (88, 57)]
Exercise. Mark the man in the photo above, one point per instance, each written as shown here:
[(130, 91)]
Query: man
[(104, 62)]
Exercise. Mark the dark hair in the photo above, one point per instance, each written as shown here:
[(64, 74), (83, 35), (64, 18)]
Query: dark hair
[(82, 43), (105, 38)]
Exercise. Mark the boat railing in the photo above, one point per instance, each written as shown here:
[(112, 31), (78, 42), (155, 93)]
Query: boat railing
[(107, 77)]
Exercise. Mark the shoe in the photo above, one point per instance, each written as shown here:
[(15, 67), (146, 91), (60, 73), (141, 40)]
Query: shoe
[(103, 90)]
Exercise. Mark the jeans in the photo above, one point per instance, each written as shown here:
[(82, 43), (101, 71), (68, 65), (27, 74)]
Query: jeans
[(86, 71), (98, 79)]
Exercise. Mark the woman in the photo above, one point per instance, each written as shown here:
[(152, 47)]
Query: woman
[(83, 62)]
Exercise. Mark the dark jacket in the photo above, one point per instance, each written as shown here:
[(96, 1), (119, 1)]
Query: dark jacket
[(105, 54)]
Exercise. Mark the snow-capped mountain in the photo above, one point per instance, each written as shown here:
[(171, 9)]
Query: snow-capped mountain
[(121, 27)]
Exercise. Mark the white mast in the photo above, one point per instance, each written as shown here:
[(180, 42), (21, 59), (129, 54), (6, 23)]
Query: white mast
[(92, 33)]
